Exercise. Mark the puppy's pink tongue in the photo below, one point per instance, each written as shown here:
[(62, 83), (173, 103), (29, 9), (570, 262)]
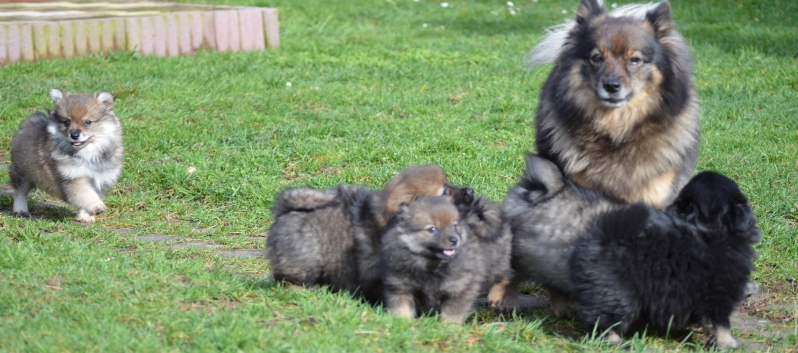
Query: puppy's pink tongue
[(448, 252), (77, 143)]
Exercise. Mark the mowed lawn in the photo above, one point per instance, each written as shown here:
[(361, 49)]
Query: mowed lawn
[(357, 91)]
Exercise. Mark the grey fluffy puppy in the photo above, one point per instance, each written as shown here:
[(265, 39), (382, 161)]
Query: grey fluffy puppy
[(331, 236), (546, 213), (74, 152), (690, 264), (484, 221), (429, 256)]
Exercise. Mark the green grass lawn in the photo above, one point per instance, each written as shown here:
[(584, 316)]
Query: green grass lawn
[(375, 86)]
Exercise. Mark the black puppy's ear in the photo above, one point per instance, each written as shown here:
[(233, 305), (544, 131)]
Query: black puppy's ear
[(685, 208), (587, 10), (743, 222)]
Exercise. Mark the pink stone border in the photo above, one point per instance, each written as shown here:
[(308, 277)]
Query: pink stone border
[(170, 34)]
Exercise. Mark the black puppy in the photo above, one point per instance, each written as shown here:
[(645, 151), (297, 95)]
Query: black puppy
[(689, 264)]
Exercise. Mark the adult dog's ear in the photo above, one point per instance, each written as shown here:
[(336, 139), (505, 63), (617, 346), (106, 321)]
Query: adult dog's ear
[(660, 19), (587, 10)]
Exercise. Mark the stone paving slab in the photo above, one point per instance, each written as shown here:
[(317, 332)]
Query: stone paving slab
[(157, 238), (47, 30), (196, 245), (241, 253)]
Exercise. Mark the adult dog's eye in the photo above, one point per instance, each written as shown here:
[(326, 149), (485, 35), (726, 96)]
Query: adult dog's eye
[(596, 59), (432, 229), (634, 61)]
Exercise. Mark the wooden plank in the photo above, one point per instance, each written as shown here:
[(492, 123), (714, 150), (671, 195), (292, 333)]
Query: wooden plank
[(120, 32), (12, 43), (196, 20), (234, 31), (248, 28), (40, 40), (133, 34), (93, 41), (26, 47), (3, 44), (183, 33), (209, 30), (271, 25), (106, 35), (81, 38), (221, 26), (54, 40), (172, 45), (67, 39), (159, 35), (147, 36)]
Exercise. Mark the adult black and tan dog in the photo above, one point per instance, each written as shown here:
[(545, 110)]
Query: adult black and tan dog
[(618, 112)]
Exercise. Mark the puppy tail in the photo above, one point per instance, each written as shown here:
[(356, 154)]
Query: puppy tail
[(301, 199), (624, 223)]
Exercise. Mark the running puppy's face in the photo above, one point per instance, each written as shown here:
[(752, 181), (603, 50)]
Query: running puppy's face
[(429, 227), (78, 118)]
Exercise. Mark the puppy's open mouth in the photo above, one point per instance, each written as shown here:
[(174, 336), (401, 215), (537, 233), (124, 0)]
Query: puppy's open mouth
[(444, 253), (80, 143)]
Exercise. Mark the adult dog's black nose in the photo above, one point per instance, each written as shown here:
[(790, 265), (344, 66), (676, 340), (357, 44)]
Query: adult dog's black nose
[(74, 134), (612, 85), (453, 240)]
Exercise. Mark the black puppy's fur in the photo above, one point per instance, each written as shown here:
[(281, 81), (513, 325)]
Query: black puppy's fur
[(689, 264)]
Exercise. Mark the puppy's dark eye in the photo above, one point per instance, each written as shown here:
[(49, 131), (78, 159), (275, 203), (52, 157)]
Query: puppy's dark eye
[(634, 61), (66, 123), (445, 192), (432, 229), (596, 59), (87, 122)]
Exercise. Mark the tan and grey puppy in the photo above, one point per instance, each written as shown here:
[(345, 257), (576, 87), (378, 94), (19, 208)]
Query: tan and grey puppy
[(619, 112), (74, 152), (429, 256), (331, 236), (546, 214)]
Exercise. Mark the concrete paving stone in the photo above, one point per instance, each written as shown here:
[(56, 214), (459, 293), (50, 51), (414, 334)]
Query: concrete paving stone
[(195, 245), (242, 253), (122, 231), (156, 237)]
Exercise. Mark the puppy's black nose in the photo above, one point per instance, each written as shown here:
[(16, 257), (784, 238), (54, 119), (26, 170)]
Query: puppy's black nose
[(453, 240), (466, 196), (74, 134), (612, 85)]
